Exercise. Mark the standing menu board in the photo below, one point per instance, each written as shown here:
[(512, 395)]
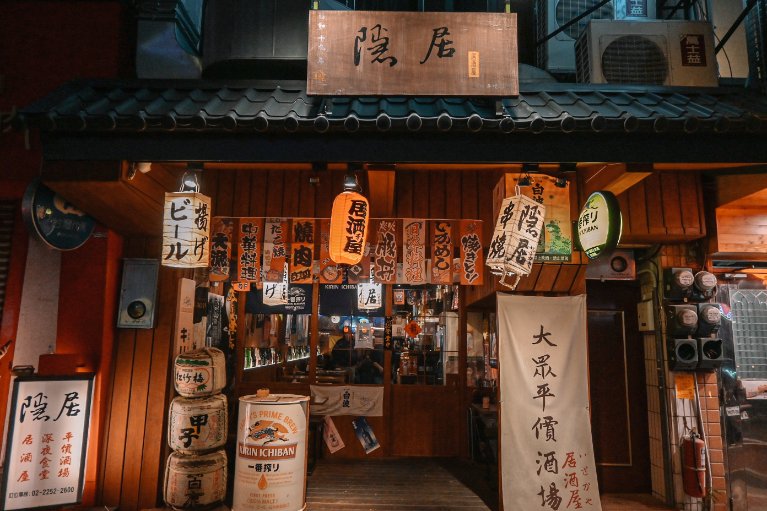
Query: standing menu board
[(47, 440)]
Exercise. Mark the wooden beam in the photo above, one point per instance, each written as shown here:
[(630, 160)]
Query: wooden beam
[(614, 177), (381, 193), (741, 190)]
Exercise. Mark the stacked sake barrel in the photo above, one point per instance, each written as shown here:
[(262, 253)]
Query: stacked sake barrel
[(195, 473)]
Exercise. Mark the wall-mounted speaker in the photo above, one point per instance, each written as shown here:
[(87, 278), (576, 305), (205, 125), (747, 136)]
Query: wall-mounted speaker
[(137, 293), (711, 353), (683, 354)]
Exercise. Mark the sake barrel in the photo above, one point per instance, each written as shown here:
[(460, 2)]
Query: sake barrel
[(197, 424), (200, 372), (270, 457), (195, 481)]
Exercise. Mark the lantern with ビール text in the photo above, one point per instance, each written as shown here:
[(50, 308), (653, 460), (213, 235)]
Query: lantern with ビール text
[(348, 224), (186, 230)]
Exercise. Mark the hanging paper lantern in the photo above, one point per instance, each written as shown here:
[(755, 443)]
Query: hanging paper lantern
[(515, 239), (186, 230), (348, 228)]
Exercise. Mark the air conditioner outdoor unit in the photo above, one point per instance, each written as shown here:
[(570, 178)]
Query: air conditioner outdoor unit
[(557, 55), (653, 52)]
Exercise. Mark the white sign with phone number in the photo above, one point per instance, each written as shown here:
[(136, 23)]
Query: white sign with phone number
[(46, 443)]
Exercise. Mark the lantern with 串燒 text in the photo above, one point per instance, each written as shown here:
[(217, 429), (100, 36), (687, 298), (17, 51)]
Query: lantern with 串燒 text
[(348, 225)]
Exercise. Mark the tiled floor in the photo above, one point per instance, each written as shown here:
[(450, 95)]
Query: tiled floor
[(423, 484), (631, 502)]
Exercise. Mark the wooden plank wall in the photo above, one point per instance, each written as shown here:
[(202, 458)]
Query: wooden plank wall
[(666, 207), (135, 445)]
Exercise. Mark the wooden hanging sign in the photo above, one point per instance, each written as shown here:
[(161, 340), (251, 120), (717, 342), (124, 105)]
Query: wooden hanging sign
[(412, 53)]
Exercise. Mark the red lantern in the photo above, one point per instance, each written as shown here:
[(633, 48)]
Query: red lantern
[(348, 228)]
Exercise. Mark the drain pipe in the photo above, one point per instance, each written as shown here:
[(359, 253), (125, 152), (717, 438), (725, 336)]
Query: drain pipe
[(660, 369)]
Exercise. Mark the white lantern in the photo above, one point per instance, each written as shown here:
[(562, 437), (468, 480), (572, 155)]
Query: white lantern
[(186, 230), (515, 238)]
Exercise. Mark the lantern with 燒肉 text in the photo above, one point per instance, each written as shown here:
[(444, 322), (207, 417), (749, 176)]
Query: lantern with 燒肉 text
[(348, 225)]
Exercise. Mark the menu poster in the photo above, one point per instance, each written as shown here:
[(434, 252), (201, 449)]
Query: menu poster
[(414, 250), (47, 441), (365, 435), (471, 252), (302, 251), (275, 249), (221, 240), (330, 272), (250, 240), (442, 253), (331, 436), (385, 256)]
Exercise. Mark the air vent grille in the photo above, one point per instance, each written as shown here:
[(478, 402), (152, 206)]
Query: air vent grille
[(634, 59)]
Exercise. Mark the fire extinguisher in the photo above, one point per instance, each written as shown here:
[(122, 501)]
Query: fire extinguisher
[(694, 465)]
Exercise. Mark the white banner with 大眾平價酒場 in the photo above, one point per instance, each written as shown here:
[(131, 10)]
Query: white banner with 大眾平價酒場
[(547, 457)]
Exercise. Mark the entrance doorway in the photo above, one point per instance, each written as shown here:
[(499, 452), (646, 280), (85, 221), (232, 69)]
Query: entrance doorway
[(617, 388)]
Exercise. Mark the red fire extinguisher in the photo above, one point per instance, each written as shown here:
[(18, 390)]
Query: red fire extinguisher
[(694, 465)]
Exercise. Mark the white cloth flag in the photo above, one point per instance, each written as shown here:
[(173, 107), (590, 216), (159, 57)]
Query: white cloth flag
[(547, 454), (347, 400)]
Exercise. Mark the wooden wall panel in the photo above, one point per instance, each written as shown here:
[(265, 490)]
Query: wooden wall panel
[(742, 231), (134, 436), (274, 187), (427, 426), (653, 206), (421, 194), (691, 204), (437, 198), (306, 193), (667, 207), (290, 194), (637, 212), (241, 203), (258, 193), (468, 195), (160, 389), (403, 198)]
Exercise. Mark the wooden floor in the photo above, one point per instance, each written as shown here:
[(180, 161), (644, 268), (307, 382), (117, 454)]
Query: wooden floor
[(421, 484), (414, 484)]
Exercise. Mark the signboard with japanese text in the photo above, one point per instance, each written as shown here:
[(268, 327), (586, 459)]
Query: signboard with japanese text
[(414, 250), (470, 241), (47, 441), (330, 272), (183, 329), (555, 243), (250, 241), (186, 230), (516, 236), (442, 252), (302, 251), (600, 224), (412, 53), (547, 461), (275, 249), (222, 237), (385, 258)]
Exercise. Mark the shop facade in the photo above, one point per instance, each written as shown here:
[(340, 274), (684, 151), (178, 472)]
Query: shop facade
[(268, 150)]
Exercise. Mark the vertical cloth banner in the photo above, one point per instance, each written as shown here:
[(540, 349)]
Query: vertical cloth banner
[(250, 240), (414, 250), (547, 453)]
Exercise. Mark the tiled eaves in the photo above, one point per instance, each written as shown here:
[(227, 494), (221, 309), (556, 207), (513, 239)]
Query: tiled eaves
[(284, 107)]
